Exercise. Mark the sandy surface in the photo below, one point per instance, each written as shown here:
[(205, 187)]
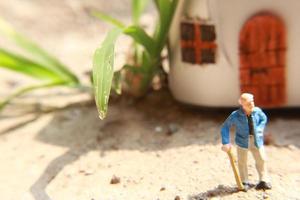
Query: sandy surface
[(158, 148)]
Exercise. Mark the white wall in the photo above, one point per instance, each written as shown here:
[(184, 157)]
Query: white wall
[(218, 84)]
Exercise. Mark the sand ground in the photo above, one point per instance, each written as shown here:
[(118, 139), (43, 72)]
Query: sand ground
[(158, 148)]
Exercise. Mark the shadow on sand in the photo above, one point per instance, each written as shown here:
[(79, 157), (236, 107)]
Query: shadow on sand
[(219, 191), (146, 125), (150, 124)]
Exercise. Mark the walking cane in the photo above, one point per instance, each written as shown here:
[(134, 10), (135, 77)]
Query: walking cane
[(235, 171)]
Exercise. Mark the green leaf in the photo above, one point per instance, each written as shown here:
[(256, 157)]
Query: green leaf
[(141, 37), (138, 6), (108, 19), (166, 9), (39, 55), (117, 82), (25, 66), (103, 63)]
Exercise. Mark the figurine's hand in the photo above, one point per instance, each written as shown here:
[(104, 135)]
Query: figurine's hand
[(226, 147)]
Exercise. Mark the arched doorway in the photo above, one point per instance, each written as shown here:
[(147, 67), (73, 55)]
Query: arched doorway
[(262, 49)]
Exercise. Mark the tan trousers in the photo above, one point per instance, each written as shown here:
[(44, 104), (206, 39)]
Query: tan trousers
[(260, 161)]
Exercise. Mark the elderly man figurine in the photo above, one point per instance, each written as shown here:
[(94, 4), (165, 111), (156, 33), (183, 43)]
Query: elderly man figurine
[(249, 122)]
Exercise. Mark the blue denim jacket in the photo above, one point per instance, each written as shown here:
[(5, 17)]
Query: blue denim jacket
[(239, 119)]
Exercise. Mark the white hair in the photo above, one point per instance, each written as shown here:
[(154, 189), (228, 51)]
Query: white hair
[(246, 97)]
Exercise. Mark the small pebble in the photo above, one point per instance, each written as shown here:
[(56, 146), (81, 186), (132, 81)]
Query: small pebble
[(115, 180), (158, 129), (265, 196), (172, 128)]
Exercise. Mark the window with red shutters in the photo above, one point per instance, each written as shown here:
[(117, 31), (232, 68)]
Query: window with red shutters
[(198, 44)]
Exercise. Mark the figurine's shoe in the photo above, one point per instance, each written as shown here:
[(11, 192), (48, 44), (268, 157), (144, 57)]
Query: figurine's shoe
[(247, 186), (262, 185)]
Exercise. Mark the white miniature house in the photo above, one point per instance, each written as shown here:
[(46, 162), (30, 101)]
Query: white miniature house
[(221, 48)]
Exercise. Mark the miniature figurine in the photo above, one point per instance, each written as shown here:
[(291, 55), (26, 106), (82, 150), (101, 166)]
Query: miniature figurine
[(249, 122)]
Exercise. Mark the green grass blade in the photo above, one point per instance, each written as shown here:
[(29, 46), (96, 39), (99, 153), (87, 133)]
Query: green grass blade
[(26, 89), (108, 19), (117, 82), (39, 55), (103, 63), (141, 37), (22, 65), (138, 6), (166, 9)]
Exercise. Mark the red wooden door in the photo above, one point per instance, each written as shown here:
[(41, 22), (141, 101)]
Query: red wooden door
[(262, 48)]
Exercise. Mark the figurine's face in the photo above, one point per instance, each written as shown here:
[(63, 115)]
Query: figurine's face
[(248, 106)]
